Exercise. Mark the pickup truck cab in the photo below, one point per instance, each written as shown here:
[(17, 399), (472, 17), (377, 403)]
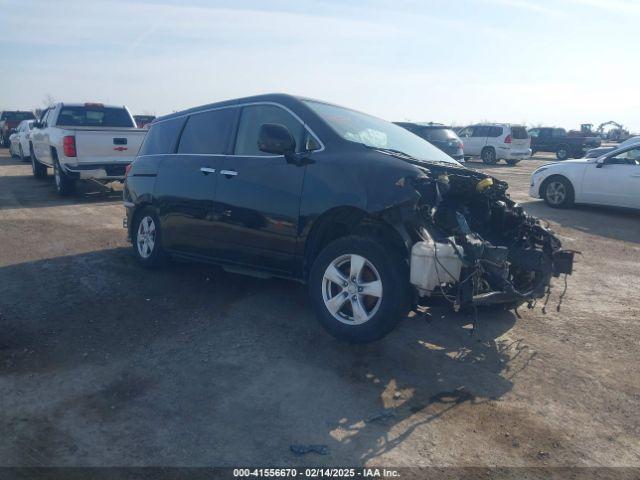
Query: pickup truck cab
[(88, 141), (9, 121), (556, 140)]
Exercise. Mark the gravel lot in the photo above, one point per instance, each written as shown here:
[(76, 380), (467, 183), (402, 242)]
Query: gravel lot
[(104, 363)]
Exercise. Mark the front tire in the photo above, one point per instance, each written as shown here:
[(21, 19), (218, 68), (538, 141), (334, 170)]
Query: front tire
[(359, 289), (488, 156), (147, 238), (557, 192)]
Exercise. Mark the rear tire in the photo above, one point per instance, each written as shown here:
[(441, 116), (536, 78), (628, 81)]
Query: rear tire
[(147, 238), (39, 170), (22, 157), (359, 289), (64, 184), (488, 156), (557, 192)]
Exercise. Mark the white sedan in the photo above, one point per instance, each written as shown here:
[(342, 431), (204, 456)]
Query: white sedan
[(19, 141), (611, 179)]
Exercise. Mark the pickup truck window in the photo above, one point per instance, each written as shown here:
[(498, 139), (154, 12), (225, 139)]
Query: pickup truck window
[(559, 132), (94, 117), (161, 137), (16, 116)]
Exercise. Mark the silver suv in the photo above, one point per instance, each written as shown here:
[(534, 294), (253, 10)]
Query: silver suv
[(496, 141)]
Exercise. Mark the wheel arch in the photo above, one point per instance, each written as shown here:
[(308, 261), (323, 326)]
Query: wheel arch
[(344, 221)]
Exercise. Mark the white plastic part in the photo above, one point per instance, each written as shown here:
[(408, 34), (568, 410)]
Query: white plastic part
[(427, 272)]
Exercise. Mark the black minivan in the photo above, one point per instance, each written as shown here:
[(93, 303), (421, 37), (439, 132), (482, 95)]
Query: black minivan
[(277, 185)]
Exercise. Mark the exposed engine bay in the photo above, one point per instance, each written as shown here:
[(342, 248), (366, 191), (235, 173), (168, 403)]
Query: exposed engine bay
[(478, 247)]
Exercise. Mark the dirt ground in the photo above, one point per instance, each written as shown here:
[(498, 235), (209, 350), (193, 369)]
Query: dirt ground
[(104, 363)]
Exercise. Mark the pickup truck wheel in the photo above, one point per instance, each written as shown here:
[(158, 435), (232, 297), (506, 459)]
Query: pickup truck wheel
[(557, 192), (359, 289), (488, 156), (147, 244), (39, 170), (562, 153), (64, 185)]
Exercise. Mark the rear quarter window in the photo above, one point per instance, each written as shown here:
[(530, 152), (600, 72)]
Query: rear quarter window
[(208, 132), (161, 137)]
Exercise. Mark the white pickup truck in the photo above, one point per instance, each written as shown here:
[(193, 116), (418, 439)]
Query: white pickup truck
[(84, 141)]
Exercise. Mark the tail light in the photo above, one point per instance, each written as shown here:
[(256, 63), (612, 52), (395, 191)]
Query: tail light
[(461, 145), (507, 139), (69, 146), (127, 169)]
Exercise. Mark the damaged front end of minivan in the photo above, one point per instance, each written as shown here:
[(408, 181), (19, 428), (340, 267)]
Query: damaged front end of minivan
[(474, 246)]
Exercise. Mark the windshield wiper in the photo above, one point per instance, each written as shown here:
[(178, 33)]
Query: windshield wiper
[(391, 151)]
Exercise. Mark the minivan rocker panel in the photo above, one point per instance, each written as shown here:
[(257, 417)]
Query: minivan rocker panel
[(373, 218)]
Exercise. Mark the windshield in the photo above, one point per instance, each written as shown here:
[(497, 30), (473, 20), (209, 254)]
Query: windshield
[(377, 133)]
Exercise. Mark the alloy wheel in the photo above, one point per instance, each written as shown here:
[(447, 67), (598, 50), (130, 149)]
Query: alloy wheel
[(146, 237), (556, 193), (352, 289)]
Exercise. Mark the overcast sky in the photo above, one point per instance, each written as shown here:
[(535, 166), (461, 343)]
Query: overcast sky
[(555, 62)]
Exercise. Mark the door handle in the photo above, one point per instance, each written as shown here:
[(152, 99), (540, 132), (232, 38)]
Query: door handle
[(207, 170), (229, 173), (636, 175)]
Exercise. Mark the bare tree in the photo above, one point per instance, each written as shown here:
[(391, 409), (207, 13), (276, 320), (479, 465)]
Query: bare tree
[(49, 100)]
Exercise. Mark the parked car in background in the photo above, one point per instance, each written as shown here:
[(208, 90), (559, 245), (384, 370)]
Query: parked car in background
[(360, 209), (9, 120), (598, 152), (143, 121), (19, 141), (611, 179), (496, 141), (84, 141), (439, 136), (556, 140)]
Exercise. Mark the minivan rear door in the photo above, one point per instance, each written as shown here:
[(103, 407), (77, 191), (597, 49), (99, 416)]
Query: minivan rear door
[(186, 184)]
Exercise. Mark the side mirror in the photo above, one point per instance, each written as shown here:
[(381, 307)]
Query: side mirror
[(275, 138), (37, 124), (600, 162)]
